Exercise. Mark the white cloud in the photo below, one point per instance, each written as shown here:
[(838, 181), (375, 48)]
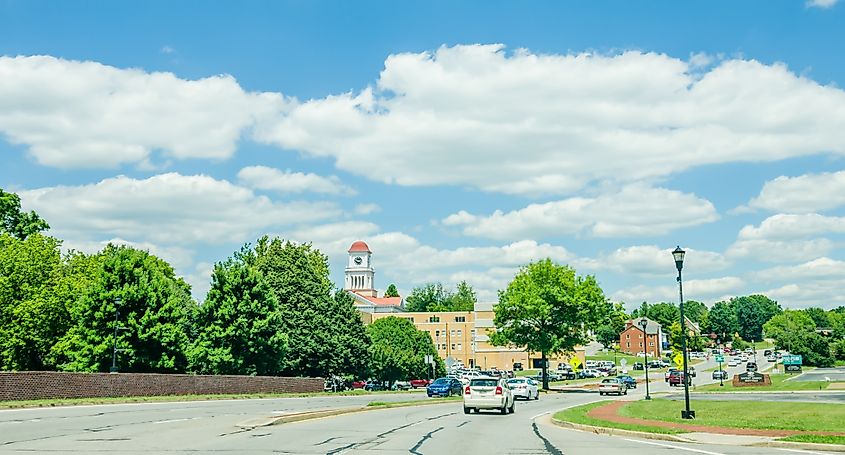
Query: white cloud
[(824, 294), (651, 260), (268, 178), (166, 209), (707, 291), (167, 49), (636, 210), (817, 269), (525, 123), (780, 250), (367, 209), (821, 3), (785, 226), (802, 194), (85, 114)]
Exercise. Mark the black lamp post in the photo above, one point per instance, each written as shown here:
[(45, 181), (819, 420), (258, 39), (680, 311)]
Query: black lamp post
[(644, 324), (678, 253)]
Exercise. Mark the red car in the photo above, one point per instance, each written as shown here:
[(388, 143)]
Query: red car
[(359, 384), (676, 378), (419, 383)]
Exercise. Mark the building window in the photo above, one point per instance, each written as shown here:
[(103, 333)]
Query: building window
[(460, 319), (460, 347), (651, 344), (460, 333), (437, 334), (434, 319), (453, 346), (641, 344), (641, 335), (452, 333), (628, 345), (627, 336)]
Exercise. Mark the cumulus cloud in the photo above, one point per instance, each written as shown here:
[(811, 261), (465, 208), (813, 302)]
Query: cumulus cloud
[(788, 226), (651, 260), (821, 3), (707, 290), (268, 178), (636, 210), (367, 209), (526, 123), (86, 114), (166, 209), (803, 194)]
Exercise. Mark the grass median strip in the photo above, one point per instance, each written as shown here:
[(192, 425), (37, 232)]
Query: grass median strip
[(780, 383), (578, 414), (815, 439)]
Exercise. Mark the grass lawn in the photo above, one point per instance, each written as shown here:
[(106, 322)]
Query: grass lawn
[(817, 439), (763, 345), (746, 414), (578, 414), (398, 404), (169, 398), (779, 383)]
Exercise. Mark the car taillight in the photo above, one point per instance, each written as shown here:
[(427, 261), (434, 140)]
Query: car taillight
[(466, 390), (499, 390)]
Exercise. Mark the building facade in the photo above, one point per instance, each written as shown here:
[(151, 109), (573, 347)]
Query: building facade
[(459, 336), (634, 340)]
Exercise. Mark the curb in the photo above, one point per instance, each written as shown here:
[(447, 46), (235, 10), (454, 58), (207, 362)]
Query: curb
[(310, 415), (801, 446), (620, 432)]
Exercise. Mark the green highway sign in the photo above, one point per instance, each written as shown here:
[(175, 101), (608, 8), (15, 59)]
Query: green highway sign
[(792, 360), (720, 358)]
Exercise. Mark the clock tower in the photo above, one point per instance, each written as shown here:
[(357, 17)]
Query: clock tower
[(359, 270)]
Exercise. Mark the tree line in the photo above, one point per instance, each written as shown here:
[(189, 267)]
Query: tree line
[(271, 310)]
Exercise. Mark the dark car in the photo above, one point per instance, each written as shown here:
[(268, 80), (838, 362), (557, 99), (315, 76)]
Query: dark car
[(767, 352), (655, 364), (639, 366), (750, 366), (444, 387), (720, 374), (629, 381), (676, 378), (375, 386), (517, 366), (566, 375)]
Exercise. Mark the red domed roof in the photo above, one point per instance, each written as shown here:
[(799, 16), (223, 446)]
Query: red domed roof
[(358, 247)]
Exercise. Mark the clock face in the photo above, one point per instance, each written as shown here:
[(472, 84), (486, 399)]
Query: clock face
[(358, 260)]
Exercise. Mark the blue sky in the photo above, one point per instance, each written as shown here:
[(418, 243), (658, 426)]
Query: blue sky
[(459, 139)]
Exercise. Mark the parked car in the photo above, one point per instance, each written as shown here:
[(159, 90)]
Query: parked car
[(359, 384), (589, 373), (552, 377), (517, 366), (524, 388), (720, 374), (676, 378), (767, 352), (375, 386), (733, 362), (419, 383), (772, 359), (639, 366), (488, 393), (628, 380), (751, 366), (402, 385), (612, 385), (444, 387), (655, 364)]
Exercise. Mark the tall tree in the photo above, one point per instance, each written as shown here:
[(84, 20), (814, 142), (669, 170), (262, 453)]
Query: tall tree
[(751, 313), (607, 336), (391, 291), (819, 316), (548, 309), (427, 297), (722, 320), (318, 326), (787, 323), (154, 308), (397, 351), (238, 327), (695, 311), (464, 299), (15, 222)]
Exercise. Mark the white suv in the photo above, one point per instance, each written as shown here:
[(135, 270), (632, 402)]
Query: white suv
[(488, 393)]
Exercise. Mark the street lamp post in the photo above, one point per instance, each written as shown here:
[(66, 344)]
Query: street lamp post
[(678, 253), (644, 324)]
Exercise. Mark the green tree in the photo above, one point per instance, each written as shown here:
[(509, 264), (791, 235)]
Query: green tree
[(812, 347), (319, 327), (397, 351), (391, 291), (238, 327), (694, 343), (751, 313), (154, 309), (739, 343), (548, 309), (464, 299), (607, 336), (788, 323), (15, 222), (819, 316), (722, 321), (695, 311), (837, 348), (428, 297)]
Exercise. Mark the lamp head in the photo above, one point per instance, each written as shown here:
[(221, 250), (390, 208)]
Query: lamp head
[(678, 253)]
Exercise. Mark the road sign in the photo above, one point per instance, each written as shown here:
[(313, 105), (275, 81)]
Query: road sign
[(793, 359), (720, 358), (429, 359), (575, 362), (623, 362), (678, 359)]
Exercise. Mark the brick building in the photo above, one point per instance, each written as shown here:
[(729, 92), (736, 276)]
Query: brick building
[(633, 340)]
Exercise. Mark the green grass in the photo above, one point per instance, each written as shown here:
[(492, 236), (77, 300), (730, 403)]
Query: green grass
[(780, 382), (815, 438), (839, 363), (763, 345), (578, 414), (166, 398), (397, 404), (746, 414), (609, 356)]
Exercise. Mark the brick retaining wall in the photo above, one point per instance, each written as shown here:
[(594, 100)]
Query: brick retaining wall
[(35, 385)]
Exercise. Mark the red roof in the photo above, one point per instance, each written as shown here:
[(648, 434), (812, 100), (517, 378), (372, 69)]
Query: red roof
[(382, 301), (358, 247)]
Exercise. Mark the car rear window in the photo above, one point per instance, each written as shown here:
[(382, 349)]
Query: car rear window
[(516, 381), (483, 383)]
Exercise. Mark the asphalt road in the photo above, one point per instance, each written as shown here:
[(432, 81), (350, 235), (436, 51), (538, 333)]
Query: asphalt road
[(211, 427), (822, 374)]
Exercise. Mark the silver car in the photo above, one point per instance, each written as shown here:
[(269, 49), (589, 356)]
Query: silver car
[(524, 388), (488, 393)]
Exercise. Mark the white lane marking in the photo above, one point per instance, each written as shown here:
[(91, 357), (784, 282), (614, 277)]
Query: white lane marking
[(675, 447), (170, 421), (541, 414), (802, 451)]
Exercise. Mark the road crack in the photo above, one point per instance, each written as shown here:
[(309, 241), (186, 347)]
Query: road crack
[(425, 437), (550, 448)]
